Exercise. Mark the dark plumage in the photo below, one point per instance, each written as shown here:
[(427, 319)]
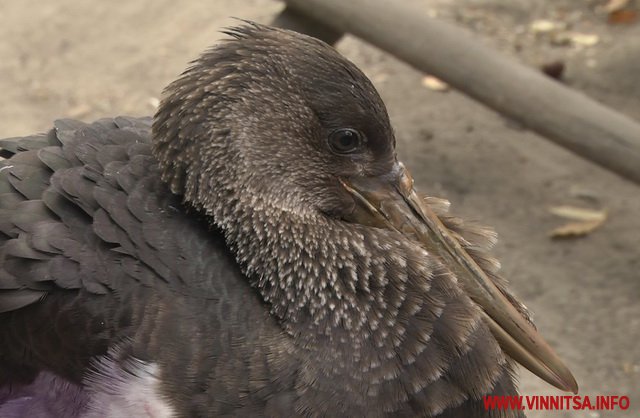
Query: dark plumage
[(250, 253)]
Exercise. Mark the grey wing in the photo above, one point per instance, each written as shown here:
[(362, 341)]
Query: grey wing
[(96, 254), (69, 245), (50, 191)]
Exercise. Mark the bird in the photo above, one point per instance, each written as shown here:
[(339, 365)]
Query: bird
[(254, 249)]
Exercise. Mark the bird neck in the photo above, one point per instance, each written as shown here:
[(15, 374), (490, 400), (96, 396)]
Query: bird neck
[(314, 271), (366, 306)]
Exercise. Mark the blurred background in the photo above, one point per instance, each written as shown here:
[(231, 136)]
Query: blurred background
[(90, 59)]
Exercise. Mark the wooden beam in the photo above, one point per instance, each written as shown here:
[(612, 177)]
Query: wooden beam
[(293, 20)]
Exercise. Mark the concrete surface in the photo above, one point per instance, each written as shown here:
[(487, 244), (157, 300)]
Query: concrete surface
[(85, 60)]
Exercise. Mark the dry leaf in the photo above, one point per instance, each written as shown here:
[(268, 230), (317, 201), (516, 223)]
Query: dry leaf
[(615, 5), (545, 26), (587, 220), (579, 214), (576, 229), (584, 39), (623, 17), (435, 84)]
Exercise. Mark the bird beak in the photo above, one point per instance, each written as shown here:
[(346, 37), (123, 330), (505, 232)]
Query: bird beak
[(391, 202)]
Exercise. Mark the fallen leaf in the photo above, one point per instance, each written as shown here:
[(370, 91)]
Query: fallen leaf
[(623, 17), (576, 229), (584, 39), (545, 26), (615, 5), (435, 84), (586, 221), (578, 214)]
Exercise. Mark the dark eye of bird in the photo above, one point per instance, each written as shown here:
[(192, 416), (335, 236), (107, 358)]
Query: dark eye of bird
[(345, 141)]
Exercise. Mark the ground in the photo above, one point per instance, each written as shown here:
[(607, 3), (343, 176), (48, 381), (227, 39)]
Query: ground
[(91, 59)]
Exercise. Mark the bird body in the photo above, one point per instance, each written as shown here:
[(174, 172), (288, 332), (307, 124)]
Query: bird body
[(219, 260)]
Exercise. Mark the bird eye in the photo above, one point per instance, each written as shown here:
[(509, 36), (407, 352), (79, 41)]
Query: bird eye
[(345, 141)]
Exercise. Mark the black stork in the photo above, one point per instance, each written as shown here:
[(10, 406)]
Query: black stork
[(256, 249)]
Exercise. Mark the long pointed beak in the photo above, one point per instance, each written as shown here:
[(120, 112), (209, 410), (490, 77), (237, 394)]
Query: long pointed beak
[(391, 202)]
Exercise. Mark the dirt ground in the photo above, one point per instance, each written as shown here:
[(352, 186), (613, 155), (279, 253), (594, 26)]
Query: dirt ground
[(72, 58)]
